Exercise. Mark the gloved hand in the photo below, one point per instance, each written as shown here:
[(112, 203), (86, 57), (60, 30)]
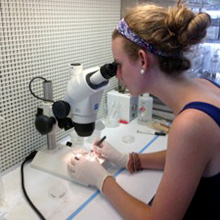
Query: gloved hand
[(107, 151), (88, 171)]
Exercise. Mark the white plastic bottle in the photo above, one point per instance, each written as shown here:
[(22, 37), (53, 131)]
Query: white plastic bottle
[(145, 106)]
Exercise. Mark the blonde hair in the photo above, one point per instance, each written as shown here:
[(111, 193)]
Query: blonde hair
[(173, 29)]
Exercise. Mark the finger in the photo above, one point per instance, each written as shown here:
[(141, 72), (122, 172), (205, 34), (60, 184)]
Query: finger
[(71, 161), (77, 156), (97, 150), (92, 147), (96, 160), (74, 160), (70, 167), (96, 143), (96, 154), (72, 173)]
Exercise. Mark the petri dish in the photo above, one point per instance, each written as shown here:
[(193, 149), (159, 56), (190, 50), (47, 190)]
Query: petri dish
[(128, 139), (57, 191)]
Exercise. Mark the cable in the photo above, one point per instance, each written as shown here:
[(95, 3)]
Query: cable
[(29, 157), (30, 89)]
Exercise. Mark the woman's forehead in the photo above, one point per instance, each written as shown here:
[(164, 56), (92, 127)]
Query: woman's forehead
[(117, 46)]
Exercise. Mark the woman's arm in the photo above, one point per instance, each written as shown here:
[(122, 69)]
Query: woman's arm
[(187, 157), (129, 207), (154, 160)]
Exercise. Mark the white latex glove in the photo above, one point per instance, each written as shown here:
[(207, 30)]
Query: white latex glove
[(88, 171), (107, 151)]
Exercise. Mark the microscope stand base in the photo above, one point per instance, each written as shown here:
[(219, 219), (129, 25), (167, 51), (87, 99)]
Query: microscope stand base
[(54, 162)]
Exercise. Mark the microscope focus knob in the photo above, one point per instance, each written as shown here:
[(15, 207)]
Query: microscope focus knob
[(61, 109), (44, 124)]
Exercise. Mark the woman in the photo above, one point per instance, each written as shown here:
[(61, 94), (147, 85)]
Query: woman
[(148, 46)]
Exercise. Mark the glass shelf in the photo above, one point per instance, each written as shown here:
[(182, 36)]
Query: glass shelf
[(209, 50), (204, 4), (213, 41)]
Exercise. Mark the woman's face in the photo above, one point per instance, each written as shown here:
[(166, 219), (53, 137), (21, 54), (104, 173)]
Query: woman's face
[(128, 70)]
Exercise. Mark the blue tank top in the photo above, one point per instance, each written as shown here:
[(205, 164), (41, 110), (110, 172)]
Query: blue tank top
[(206, 201)]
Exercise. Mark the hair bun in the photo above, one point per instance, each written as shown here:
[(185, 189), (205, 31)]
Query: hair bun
[(195, 31), (187, 27)]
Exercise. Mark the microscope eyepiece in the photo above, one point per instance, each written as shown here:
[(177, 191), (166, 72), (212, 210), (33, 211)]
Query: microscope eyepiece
[(109, 70)]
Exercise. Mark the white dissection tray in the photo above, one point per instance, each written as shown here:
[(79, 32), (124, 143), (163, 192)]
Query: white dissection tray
[(55, 161)]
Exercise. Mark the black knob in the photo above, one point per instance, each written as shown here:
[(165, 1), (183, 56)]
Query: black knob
[(44, 124), (69, 144), (61, 109)]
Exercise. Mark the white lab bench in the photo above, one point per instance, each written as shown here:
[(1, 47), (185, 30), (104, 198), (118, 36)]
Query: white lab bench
[(59, 199)]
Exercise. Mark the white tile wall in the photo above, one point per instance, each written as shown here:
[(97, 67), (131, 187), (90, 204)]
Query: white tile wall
[(40, 38)]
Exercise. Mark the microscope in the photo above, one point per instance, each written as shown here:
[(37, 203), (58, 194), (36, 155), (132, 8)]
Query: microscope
[(77, 110)]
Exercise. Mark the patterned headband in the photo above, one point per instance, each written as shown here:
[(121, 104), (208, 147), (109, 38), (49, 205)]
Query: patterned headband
[(124, 30)]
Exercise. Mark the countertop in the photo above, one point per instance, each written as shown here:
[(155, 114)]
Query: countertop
[(60, 199)]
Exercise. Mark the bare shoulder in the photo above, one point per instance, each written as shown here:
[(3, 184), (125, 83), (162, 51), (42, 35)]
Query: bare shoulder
[(194, 126), (187, 157), (195, 135), (193, 131)]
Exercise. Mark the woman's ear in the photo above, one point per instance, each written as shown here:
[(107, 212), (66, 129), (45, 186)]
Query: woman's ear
[(143, 56)]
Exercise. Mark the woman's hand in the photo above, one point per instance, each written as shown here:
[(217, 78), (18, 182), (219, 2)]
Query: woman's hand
[(107, 151), (88, 171)]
